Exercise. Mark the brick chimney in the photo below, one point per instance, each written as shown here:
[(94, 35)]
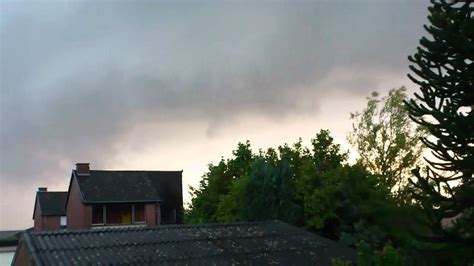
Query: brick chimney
[(42, 189), (82, 169)]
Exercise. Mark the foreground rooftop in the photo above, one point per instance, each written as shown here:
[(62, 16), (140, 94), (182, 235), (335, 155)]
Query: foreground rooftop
[(208, 244)]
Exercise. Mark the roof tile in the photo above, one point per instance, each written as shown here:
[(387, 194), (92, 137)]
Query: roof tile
[(52, 202), (131, 186), (248, 243)]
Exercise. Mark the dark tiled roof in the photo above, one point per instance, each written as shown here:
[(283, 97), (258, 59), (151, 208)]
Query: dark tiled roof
[(51, 202), (131, 186), (209, 244)]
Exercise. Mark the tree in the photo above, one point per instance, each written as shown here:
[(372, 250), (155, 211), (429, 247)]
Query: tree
[(444, 71), (269, 193), (319, 185), (311, 187), (216, 183), (326, 154), (386, 140)]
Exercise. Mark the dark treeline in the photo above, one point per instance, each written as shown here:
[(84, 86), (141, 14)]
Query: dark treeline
[(393, 206)]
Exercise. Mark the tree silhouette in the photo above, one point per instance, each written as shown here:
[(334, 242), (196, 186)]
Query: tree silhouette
[(444, 70)]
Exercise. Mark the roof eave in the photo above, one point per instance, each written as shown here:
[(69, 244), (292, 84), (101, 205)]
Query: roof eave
[(34, 207), (54, 214), (73, 175)]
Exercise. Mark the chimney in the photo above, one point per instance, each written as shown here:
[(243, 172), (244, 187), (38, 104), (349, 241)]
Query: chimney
[(42, 189), (82, 169)]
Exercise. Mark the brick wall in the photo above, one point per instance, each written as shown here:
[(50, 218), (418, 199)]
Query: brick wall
[(52, 222), (79, 216), (38, 221), (22, 257), (42, 223), (152, 214)]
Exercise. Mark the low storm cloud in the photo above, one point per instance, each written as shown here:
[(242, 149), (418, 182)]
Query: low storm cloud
[(89, 81)]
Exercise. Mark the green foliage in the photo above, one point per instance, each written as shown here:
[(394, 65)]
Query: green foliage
[(319, 184), (322, 200), (388, 256), (326, 154), (364, 233), (364, 254), (269, 193), (231, 205), (216, 183), (386, 140), (310, 187), (340, 262), (443, 68)]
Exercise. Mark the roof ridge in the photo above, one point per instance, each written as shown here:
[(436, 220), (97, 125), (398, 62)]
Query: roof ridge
[(160, 227), (223, 224), (165, 242)]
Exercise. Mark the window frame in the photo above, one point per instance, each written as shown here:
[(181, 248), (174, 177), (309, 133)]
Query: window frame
[(133, 215), (133, 222), (103, 215)]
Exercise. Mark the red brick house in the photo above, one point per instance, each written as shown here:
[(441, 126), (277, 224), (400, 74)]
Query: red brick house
[(99, 198), (102, 198), (49, 210)]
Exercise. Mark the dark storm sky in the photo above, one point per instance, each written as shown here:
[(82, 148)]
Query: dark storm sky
[(157, 85)]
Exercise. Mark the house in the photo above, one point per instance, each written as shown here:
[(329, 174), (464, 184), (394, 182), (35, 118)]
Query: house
[(8, 243), (98, 198), (134, 217), (258, 243), (49, 210)]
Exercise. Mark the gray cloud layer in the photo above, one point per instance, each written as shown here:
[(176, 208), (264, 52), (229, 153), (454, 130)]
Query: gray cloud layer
[(76, 76)]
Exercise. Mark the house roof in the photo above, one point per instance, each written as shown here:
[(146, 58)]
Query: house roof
[(207, 244), (130, 186), (52, 203)]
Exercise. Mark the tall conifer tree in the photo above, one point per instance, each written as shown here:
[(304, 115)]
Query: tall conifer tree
[(444, 70)]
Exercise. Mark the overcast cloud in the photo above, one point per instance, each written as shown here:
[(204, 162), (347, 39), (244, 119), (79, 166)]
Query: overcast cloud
[(154, 85)]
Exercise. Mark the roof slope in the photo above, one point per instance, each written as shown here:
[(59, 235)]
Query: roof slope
[(51, 202), (131, 186), (208, 244)]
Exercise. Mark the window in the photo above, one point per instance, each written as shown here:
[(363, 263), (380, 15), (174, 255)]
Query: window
[(98, 214), (139, 213), (168, 215), (118, 213), (62, 221)]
